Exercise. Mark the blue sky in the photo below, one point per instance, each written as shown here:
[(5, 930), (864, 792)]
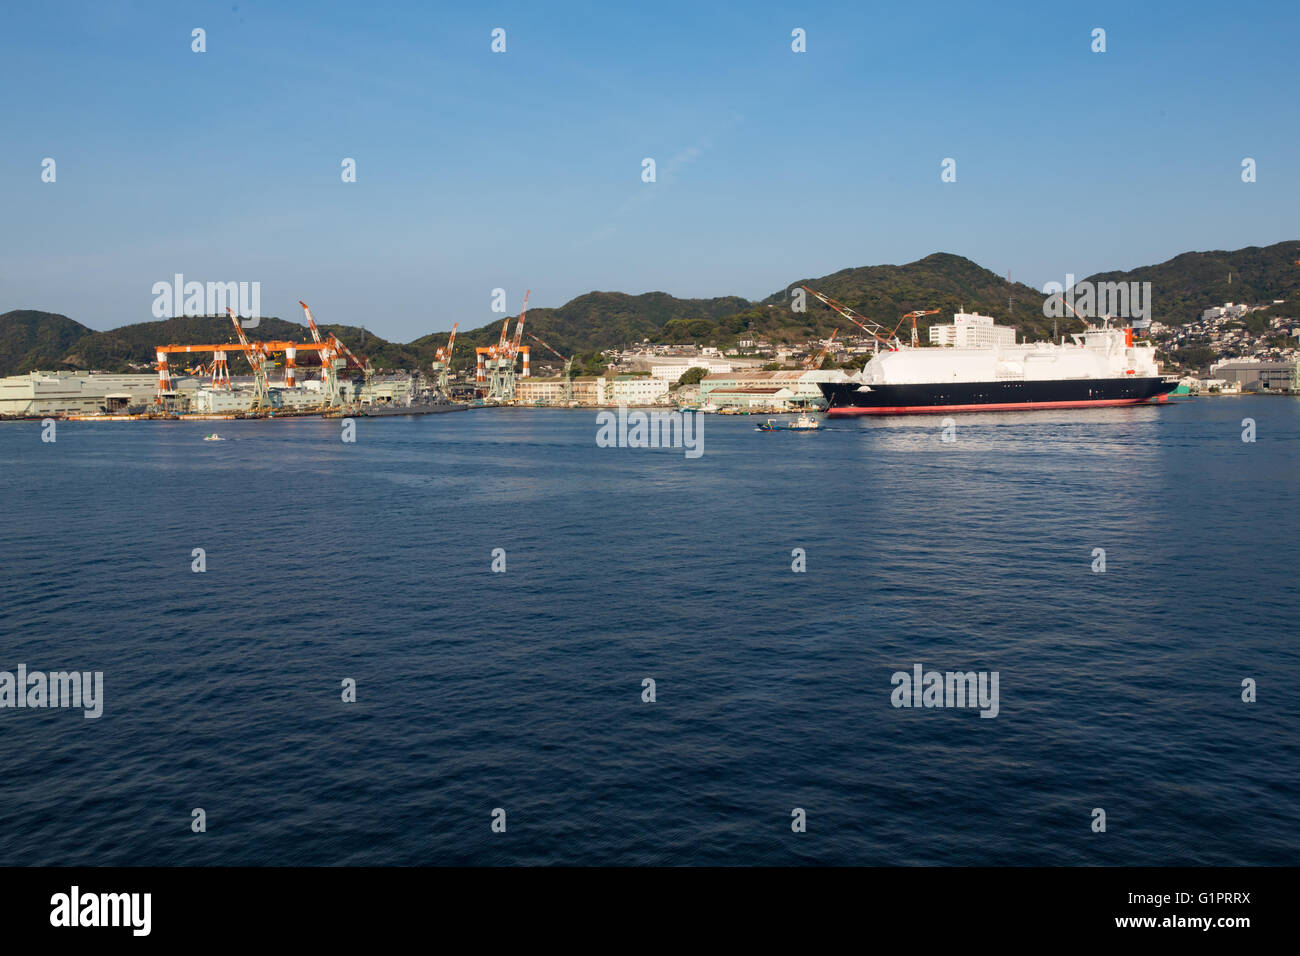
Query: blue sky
[(478, 170)]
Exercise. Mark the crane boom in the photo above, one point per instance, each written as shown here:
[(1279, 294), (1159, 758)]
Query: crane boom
[(914, 315), (338, 344), (860, 321), (815, 361), (545, 346), (256, 358), (519, 329), (444, 354), (327, 353), (311, 323)]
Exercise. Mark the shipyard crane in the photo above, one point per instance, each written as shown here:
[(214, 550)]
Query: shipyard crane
[(367, 370), (916, 339), (442, 362), (815, 361), (501, 363), (316, 337), (335, 348), (566, 390), (861, 321), (519, 329), (257, 359), (328, 370)]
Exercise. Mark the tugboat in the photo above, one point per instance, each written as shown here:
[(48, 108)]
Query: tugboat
[(801, 424)]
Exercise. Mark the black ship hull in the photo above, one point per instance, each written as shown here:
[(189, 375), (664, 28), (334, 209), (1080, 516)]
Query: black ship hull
[(844, 399)]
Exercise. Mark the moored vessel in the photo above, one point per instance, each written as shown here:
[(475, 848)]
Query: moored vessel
[(1102, 366)]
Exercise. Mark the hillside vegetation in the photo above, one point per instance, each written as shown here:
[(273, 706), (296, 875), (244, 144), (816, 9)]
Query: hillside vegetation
[(1181, 287)]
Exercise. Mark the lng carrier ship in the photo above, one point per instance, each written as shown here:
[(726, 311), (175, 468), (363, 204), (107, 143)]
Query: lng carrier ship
[(986, 370)]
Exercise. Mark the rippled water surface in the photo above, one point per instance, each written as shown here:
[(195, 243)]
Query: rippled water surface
[(476, 690)]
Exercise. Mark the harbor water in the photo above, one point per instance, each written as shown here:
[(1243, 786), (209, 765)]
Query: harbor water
[(968, 548)]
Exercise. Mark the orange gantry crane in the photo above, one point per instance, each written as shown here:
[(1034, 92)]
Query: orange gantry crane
[(498, 361), (328, 347)]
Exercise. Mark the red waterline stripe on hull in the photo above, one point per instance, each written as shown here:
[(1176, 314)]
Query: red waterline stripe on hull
[(847, 411)]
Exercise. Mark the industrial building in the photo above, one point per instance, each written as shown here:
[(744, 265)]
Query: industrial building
[(766, 398), (639, 390), (540, 391), (671, 367), (784, 388), (1257, 375), (53, 394)]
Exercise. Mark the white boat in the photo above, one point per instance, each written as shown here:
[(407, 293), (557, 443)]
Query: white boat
[(801, 424), (213, 437)]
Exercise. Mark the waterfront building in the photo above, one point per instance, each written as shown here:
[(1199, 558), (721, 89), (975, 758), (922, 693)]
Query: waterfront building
[(1258, 375), (638, 390), (767, 398), (801, 383), (38, 394), (539, 390)]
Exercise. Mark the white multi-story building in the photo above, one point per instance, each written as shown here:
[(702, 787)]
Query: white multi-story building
[(670, 368), (970, 330), (639, 390)]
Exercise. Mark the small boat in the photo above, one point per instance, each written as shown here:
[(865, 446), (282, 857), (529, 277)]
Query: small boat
[(801, 424), (213, 437)]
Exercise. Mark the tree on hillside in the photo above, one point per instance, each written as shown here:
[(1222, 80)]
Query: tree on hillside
[(692, 375)]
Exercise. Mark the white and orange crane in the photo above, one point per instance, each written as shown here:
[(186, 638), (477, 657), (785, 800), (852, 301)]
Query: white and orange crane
[(256, 356), (331, 348), (442, 362), (498, 361), (815, 361), (916, 339), (879, 332)]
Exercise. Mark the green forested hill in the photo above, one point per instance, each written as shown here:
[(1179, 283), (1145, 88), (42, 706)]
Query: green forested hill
[(1188, 284), (31, 340), (602, 320), (1181, 288), (940, 281)]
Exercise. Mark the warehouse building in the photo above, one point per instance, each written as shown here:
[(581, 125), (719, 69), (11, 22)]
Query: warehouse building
[(639, 390), (1254, 375), (42, 394), (539, 390), (767, 398), (802, 385)]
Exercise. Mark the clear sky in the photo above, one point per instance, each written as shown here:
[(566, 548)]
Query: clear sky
[(477, 170)]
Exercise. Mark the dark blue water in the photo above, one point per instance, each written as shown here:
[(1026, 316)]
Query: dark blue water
[(522, 690)]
